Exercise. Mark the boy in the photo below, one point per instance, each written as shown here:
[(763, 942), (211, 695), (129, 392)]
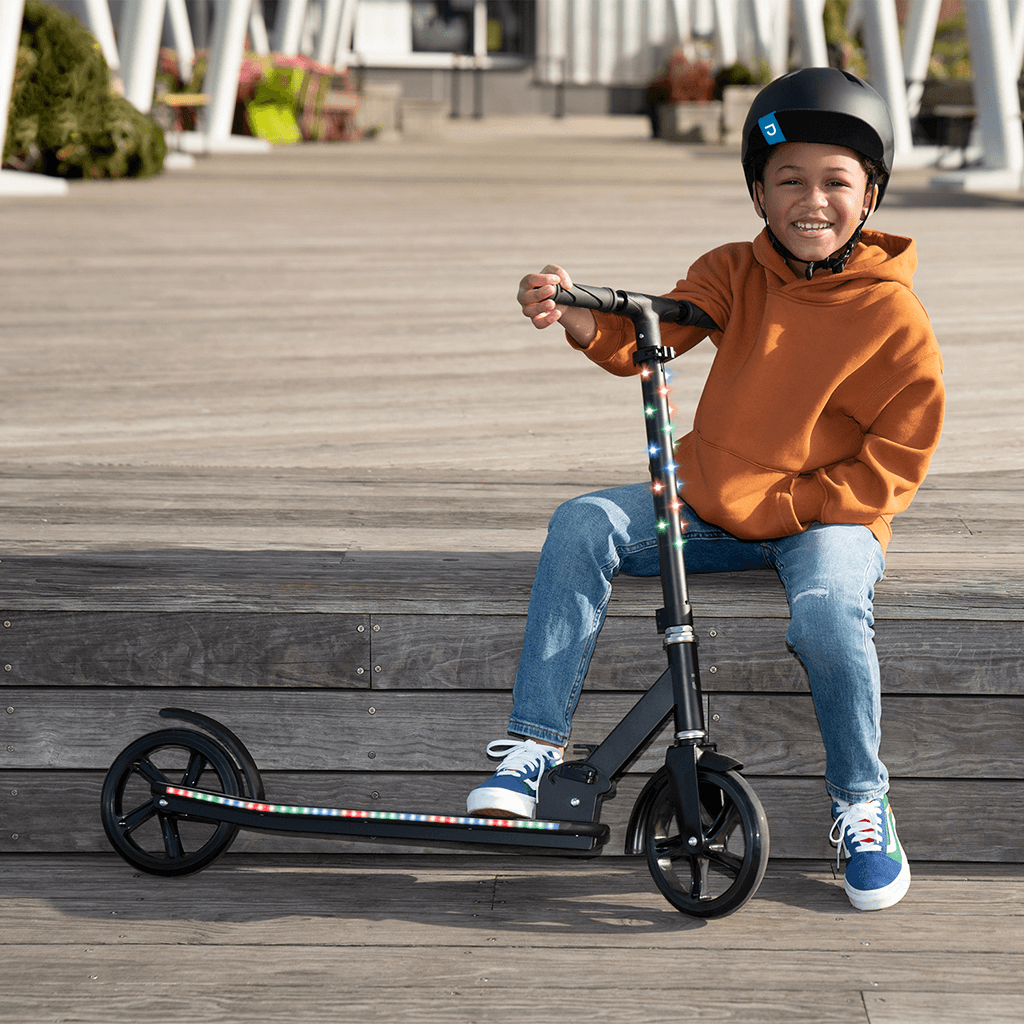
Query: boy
[(816, 425)]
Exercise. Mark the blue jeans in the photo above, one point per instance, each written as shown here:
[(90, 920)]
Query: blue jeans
[(829, 573)]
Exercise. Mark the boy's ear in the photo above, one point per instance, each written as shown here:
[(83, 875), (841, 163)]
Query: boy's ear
[(870, 201), (759, 198)]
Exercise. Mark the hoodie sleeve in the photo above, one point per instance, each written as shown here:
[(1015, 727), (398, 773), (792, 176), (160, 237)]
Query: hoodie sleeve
[(903, 424), (708, 284)]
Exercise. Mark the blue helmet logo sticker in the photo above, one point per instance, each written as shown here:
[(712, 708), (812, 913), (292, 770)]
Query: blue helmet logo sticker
[(770, 129)]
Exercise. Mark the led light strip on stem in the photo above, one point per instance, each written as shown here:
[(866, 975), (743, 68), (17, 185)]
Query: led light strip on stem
[(334, 812)]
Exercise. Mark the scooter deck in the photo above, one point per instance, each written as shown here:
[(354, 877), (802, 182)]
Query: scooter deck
[(325, 822)]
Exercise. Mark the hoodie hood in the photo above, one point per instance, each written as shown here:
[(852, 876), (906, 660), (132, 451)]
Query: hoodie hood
[(878, 257)]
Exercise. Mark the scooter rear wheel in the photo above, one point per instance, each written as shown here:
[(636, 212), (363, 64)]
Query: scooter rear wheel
[(158, 843), (725, 871)]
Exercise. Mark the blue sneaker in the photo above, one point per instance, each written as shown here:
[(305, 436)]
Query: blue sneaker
[(877, 871), (511, 792)]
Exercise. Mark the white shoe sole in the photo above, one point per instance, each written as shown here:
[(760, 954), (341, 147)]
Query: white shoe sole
[(879, 899), (495, 802)]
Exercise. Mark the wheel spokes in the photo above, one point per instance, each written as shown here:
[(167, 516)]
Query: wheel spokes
[(172, 841), (196, 767), (149, 771), (133, 819)]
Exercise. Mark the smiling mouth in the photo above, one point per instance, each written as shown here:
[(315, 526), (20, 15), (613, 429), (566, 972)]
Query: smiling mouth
[(804, 225)]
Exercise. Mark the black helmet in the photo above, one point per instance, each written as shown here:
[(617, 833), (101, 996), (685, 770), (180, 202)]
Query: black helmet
[(823, 105), (819, 105)]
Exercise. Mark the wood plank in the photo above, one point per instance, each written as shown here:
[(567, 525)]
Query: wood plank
[(939, 737), (943, 1008), (264, 649), (422, 582), (57, 811), (314, 730), (307, 730), (458, 940), (186, 649), (736, 654)]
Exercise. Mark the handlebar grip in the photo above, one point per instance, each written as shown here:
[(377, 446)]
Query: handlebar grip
[(610, 300), (604, 300)]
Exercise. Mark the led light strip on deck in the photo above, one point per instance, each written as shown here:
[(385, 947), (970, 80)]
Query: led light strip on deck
[(334, 812)]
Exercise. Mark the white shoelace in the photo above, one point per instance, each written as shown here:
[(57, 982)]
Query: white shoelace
[(518, 756), (865, 821)]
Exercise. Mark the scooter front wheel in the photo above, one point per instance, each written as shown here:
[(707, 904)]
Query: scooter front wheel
[(159, 843), (723, 871)]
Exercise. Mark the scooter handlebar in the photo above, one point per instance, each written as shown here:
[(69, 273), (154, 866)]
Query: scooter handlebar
[(633, 304)]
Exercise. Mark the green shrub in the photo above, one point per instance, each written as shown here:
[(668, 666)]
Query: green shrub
[(64, 120)]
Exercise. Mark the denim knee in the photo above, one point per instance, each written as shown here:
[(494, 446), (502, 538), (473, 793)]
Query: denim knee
[(829, 623), (590, 525)]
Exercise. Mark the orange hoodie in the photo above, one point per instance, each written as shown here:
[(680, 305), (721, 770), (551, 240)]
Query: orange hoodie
[(824, 402)]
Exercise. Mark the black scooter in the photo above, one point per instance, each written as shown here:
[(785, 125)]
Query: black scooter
[(174, 800)]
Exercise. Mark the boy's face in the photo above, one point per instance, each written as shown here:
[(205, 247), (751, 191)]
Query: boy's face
[(814, 196)]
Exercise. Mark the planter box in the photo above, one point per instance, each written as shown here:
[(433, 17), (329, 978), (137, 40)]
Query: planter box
[(422, 119), (378, 109), (699, 122), (736, 100)]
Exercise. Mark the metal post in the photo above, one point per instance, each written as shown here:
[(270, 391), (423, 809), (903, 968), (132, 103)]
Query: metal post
[(222, 81), (479, 55), (291, 17), (996, 100), (882, 43), (343, 54), (922, 19), (809, 28), (1017, 29), (141, 28), (327, 43), (99, 23), (182, 32), (995, 84), (725, 32), (258, 29)]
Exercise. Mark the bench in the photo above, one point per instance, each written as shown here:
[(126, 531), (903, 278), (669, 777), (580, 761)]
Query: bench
[(375, 679)]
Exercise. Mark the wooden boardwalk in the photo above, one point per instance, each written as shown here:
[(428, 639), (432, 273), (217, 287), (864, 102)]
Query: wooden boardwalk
[(277, 445)]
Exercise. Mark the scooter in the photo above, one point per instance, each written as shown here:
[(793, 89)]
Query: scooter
[(174, 800)]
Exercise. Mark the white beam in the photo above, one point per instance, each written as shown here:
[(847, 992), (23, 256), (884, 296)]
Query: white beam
[(1017, 31), (181, 30), (881, 34), (581, 52), (725, 32), (343, 53), (480, 28), (809, 29), (258, 29), (682, 19), (288, 26), (330, 24), (918, 41), (996, 100), (221, 83), (99, 23), (142, 25)]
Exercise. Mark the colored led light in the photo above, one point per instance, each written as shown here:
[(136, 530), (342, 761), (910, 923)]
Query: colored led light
[(335, 812), (653, 449)]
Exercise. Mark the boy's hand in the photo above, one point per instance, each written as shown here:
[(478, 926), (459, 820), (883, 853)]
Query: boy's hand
[(535, 291)]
